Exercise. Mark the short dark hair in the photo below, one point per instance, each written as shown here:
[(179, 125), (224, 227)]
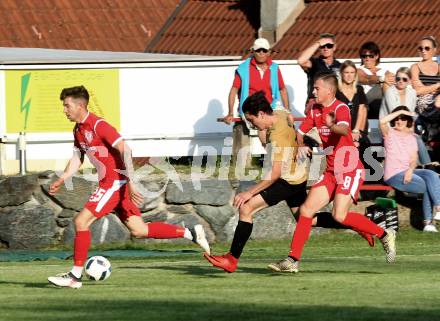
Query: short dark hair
[(409, 119), (75, 92), (327, 35), (255, 103), (372, 47), (329, 78)]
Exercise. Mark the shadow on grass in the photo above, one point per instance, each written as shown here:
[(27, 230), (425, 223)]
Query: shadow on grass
[(161, 310)]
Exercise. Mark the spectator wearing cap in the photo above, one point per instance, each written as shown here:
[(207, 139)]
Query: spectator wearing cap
[(256, 73), (325, 62)]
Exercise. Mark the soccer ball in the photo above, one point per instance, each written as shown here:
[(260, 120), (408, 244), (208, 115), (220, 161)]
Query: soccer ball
[(98, 268)]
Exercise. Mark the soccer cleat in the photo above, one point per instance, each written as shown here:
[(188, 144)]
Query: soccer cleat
[(389, 245), (285, 265), (65, 280), (226, 262), (199, 237), (366, 236)]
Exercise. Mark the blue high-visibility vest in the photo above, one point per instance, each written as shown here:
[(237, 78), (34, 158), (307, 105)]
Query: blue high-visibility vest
[(243, 72)]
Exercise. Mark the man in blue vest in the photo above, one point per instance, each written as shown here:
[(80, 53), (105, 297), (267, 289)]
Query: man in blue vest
[(256, 73)]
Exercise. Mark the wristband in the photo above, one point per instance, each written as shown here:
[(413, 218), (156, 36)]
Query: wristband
[(355, 131)]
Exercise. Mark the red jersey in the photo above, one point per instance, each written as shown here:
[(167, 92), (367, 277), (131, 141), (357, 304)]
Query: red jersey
[(96, 138), (344, 144), (258, 82)]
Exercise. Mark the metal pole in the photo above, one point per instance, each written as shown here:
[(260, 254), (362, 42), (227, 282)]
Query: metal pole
[(22, 150)]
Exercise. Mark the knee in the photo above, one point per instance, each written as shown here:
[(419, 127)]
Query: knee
[(338, 216), (80, 223), (245, 213), (305, 210)]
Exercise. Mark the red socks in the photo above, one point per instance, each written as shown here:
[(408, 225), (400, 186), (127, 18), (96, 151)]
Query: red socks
[(300, 236), (81, 246), (359, 222), (160, 230)]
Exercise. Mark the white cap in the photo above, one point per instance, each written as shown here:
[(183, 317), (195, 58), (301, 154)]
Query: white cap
[(261, 43)]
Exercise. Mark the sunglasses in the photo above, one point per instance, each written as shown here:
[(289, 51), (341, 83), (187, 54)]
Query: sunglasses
[(404, 79), (327, 45), (364, 56), (262, 50), (424, 48)]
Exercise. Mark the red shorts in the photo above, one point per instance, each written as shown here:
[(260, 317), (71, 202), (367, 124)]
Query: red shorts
[(348, 183), (106, 199)]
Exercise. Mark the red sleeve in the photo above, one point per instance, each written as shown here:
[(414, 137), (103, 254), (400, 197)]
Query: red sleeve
[(107, 132), (307, 124), (342, 115), (237, 81), (280, 80)]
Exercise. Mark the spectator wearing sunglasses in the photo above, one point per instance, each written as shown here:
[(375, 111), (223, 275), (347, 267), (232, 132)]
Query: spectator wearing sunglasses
[(426, 77), (374, 79), (401, 94), (400, 164), (256, 73), (325, 62)]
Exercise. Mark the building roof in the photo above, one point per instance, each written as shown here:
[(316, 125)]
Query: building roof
[(395, 25), (209, 27), (109, 25), (35, 56)]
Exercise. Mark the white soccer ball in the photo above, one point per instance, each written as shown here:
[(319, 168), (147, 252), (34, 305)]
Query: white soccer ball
[(98, 268)]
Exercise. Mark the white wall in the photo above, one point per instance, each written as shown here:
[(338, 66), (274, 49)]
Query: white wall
[(167, 109)]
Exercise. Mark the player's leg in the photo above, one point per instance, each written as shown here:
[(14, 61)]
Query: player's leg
[(345, 194), (317, 198), (131, 217), (81, 247), (243, 231)]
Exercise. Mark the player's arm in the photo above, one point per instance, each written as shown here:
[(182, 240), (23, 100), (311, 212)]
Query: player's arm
[(72, 167), (339, 121), (304, 128), (126, 155), (111, 136), (268, 180)]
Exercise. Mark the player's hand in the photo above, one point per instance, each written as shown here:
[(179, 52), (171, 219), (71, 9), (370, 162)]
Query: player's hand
[(241, 198), (291, 120), (408, 176), (330, 119), (55, 186), (303, 152), (228, 119), (135, 196)]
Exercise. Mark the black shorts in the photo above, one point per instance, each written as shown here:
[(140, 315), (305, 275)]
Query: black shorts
[(281, 190)]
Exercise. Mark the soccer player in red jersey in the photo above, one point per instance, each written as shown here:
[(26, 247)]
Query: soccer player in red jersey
[(111, 156), (341, 180)]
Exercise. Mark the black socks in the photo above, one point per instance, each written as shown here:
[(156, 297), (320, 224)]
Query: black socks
[(241, 236)]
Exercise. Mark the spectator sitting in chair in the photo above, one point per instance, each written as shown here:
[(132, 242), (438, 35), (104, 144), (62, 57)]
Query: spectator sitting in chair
[(401, 161)]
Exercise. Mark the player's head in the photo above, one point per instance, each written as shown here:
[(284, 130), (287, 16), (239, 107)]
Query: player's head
[(75, 101), (325, 87), (256, 109)]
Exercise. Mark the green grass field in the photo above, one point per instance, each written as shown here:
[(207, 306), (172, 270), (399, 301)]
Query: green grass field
[(341, 278)]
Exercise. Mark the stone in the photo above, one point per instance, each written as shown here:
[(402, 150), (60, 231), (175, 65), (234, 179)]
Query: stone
[(211, 192), (27, 226), (152, 191), (108, 229), (16, 190), (216, 216), (73, 196), (155, 216), (63, 222), (180, 209), (66, 213)]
